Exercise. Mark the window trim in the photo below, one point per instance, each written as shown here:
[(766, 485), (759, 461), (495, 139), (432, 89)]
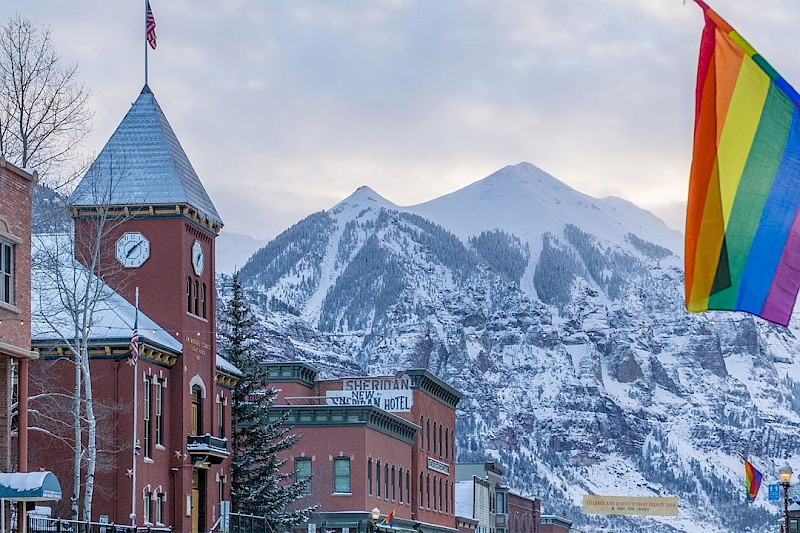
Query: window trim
[(7, 255), (300, 476)]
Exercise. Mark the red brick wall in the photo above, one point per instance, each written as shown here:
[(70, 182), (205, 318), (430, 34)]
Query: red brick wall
[(523, 514), (161, 281), (16, 189)]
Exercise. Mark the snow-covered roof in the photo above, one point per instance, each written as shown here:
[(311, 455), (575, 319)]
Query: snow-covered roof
[(143, 163), (54, 291), (226, 366)]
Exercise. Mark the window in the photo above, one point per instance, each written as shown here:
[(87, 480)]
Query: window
[(421, 486), (386, 480), (500, 506), (197, 411), (421, 436), (302, 471), (146, 508), (6, 273), (159, 413), (203, 300), (434, 437), (196, 297), (189, 294), (341, 475), (378, 478), (428, 491), (369, 476), (434, 493), (148, 427), (446, 496), (221, 416), (408, 487), (441, 496), (160, 508), (428, 433), (400, 484), (446, 442), (394, 496), (441, 442)]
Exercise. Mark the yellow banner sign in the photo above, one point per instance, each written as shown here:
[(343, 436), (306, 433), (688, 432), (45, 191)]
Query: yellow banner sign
[(630, 505)]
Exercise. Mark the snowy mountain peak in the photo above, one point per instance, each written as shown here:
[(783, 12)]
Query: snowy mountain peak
[(524, 175), (363, 198)]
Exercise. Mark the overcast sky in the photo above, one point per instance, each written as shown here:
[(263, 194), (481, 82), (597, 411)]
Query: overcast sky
[(285, 107)]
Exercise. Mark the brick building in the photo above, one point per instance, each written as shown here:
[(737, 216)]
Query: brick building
[(156, 227), (382, 442), (16, 190), (524, 514)]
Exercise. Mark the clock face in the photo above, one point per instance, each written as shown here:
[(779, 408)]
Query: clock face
[(197, 258), (133, 249)]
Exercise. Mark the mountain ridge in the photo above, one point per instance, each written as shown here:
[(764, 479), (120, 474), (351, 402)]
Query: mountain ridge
[(568, 311)]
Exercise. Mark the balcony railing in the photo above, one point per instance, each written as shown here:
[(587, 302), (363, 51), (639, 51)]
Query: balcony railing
[(207, 449), (42, 524)]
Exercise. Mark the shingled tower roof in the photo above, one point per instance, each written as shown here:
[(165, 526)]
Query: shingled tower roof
[(144, 164)]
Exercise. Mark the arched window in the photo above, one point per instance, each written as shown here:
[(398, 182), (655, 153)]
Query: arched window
[(440, 494), (408, 487), (394, 495), (421, 436), (197, 410), (434, 493), (428, 433), (378, 478), (386, 480), (421, 486), (446, 496), (189, 294), (196, 298), (434, 438), (446, 442), (428, 491), (203, 300), (441, 442), (369, 476), (400, 484)]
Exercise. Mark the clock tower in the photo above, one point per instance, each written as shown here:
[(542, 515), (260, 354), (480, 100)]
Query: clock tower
[(145, 221)]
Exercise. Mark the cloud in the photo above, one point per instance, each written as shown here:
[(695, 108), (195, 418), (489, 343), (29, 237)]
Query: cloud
[(284, 108)]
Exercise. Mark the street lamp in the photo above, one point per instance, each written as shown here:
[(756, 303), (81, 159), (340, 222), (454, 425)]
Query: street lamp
[(374, 515), (786, 477)]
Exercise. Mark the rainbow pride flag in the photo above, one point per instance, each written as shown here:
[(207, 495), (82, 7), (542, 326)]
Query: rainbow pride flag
[(752, 478), (742, 227), (389, 521)]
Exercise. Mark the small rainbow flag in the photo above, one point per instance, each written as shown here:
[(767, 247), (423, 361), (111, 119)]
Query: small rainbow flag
[(390, 519), (742, 227), (752, 478)]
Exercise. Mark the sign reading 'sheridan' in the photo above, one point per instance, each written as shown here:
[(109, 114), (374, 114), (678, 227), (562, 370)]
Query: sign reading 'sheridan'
[(391, 394)]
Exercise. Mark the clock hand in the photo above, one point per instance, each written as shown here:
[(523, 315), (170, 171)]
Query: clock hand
[(132, 248)]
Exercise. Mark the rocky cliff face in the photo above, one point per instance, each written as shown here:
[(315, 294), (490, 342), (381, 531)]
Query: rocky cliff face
[(561, 318)]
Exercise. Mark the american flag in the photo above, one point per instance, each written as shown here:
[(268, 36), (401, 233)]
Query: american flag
[(150, 27), (135, 342)]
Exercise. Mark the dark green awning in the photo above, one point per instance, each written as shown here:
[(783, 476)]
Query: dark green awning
[(30, 487)]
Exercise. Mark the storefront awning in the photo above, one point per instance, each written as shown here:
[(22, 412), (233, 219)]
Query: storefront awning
[(30, 487)]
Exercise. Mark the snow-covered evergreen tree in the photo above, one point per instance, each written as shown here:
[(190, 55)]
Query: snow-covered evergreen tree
[(259, 486)]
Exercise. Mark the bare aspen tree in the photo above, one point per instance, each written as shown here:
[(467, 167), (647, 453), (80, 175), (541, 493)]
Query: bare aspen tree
[(44, 112), (68, 297)]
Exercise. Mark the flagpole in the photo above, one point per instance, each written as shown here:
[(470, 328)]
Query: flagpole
[(145, 42), (135, 402)]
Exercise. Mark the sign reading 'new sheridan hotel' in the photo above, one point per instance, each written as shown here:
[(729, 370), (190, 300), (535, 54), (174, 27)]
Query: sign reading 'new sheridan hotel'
[(391, 394)]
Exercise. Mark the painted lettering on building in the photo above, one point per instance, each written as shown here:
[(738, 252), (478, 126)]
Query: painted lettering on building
[(392, 400), (377, 383), (438, 466)]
